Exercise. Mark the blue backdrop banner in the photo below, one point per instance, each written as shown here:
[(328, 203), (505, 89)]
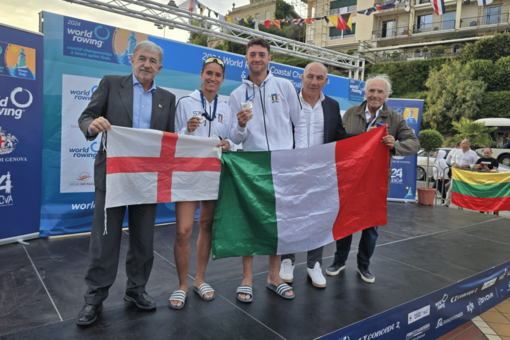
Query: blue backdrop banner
[(21, 75), (403, 168)]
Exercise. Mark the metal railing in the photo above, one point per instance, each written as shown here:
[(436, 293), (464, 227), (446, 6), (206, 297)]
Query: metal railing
[(441, 185), (484, 20), (436, 26), (393, 32)]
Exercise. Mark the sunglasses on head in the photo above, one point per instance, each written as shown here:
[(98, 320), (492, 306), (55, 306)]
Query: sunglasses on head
[(214, 60)]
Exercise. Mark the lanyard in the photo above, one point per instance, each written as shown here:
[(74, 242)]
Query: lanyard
[(369, 124), (205, 114), (253, 94)]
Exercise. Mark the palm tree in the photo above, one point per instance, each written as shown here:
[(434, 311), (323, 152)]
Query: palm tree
[(477, 133)]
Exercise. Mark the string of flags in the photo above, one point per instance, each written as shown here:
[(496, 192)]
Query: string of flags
[(340, 21)]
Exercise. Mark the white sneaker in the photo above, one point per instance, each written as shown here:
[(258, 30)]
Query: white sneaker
[(318, 280), (287, 271)]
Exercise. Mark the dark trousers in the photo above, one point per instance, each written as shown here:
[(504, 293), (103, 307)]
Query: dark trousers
[(104, 249), (366, 247), (440, 187), (312, 257)]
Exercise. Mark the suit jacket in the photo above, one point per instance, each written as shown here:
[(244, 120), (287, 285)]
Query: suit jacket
[(113, 100), (333, 127), (408, 143)]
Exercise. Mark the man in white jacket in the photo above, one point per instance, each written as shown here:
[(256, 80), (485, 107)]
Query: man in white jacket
[(266, 109)]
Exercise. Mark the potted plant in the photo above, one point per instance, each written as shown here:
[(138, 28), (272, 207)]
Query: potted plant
[(430, 140)]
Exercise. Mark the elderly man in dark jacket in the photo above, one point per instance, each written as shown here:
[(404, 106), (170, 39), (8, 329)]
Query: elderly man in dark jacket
[(401, 141)]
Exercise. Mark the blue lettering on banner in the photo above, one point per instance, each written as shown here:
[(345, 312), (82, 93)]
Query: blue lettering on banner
[(449, 310), (88, 40), (356, 90)]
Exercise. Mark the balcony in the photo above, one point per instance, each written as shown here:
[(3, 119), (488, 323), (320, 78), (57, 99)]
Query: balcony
[(391, 33), (435, 27), (485, 20)]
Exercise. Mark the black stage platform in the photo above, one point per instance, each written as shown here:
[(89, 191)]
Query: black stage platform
[(422, 249)]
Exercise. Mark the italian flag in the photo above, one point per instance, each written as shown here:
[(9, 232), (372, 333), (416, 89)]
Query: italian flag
[(146, 166), (291, 201), (482, 191)]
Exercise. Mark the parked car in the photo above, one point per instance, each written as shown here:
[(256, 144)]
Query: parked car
[(422, 170)]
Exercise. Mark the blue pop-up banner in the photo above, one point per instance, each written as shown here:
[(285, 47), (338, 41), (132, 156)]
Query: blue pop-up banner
[(21, 74)]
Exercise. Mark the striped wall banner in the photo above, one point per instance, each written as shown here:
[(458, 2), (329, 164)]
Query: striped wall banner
[(482, 191)]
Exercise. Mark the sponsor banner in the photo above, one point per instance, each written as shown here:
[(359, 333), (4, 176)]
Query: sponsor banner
[(21, 56), (403, 168), (435, 314), (356, 90)]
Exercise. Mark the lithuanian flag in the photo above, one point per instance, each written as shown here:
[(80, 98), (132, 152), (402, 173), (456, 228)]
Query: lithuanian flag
[(482, 191)]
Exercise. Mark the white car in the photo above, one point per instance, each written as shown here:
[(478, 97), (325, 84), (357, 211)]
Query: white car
[(422, 163)]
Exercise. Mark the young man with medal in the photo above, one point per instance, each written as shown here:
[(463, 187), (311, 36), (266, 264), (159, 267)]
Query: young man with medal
[(264, 110), (203, 114)]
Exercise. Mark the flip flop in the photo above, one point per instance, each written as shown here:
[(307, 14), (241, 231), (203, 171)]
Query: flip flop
[(178, 295), (204, 289), (281, 289), (245, 290)]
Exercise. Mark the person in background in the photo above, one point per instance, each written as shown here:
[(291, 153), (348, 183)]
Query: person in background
[(464, 158), (507, 144), (452, 153), (199, 114), (487, 163), (441, 173), (320, 123)]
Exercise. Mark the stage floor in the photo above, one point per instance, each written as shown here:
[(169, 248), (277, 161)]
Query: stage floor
[(422, 249)]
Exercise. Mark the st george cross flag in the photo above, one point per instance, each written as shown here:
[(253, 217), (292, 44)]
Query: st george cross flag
[(290, 201), (438, 6), (150, 166)]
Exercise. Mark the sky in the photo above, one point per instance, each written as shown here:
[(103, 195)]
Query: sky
[(25, 14)]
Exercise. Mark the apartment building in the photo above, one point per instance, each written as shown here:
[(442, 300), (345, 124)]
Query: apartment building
[(411, 34)]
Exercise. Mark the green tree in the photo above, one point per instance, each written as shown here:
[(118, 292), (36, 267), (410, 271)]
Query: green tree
[(501, 79), (483, 70), (477, 133), (283, 10), (430, 140), (452, 94), (196, 38), (492, 48), (437, 50)]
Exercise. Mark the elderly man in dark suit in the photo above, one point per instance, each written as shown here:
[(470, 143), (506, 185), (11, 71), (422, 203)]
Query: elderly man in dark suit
[(320, 123), (131, 101)]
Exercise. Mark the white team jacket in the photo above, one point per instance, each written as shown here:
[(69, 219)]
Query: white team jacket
[(191, 106), (276, 107)]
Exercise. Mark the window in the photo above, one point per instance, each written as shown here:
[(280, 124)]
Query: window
[(425, 52), (342, 6), (389, 28), (456, 49), (335, 34), (424, 21), (449, 20), (416, 53), (493, 15), (268, 15)]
